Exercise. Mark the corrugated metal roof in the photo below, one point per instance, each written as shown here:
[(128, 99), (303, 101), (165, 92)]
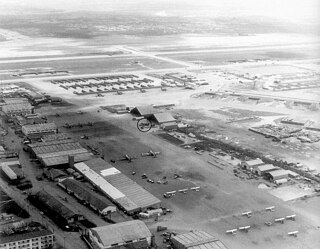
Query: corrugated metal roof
[(164, 118), (99, 181), (57, 148), (144, 110), (15, 100), (266, 167), (55, 204), (198, 240), (122, 232), (42, 144), (55, 137), (37, 128), (280, 172), (62, 153), (16, 107), (134, 196), (89, 196), (254, 162), (63, 159), (138, 195)]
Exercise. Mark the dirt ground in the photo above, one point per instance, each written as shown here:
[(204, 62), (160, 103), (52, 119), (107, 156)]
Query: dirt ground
[(222, 197)]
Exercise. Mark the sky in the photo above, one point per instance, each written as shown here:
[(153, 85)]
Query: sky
[(301, 10)]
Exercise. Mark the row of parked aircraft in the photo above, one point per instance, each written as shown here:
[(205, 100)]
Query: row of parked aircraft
[(277, 220), (129, 158)]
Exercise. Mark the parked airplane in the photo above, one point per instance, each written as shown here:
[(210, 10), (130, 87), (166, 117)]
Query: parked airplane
[(125, 158), (294, 233), (280, 220), (151, 153), (248, 214), (291, 217), (271, 209), (245, 228), (195, 189), (232, 231)]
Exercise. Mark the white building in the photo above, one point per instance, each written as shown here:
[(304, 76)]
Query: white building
[(40, 239)]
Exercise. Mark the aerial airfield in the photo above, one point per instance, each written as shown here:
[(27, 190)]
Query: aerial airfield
[(230, 143)]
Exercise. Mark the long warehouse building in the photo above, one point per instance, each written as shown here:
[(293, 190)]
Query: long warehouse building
[(57, 153), (123, 191)]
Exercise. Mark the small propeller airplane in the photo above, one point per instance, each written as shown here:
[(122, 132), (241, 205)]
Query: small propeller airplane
[(125, 158), (232, 231), (151, 153)]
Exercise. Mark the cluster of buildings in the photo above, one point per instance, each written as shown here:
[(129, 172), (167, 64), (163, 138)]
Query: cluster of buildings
[(269, 171), (107, 190), (164, 119), (55, 209), (58, 153)]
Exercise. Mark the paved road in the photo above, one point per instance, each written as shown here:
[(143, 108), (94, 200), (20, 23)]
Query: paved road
[(68, 239)]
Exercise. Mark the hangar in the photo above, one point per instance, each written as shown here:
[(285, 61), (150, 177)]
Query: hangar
[(196, 240), (129, 234), (39, 129), (57, 153), (16, 109), (144, 111), (163, 118), (123, 191), (263, 169), (277, 174)]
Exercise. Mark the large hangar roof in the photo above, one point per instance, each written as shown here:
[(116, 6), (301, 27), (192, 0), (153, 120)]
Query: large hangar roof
[(17, 107), (144, 110), (39, 127), (126, 192), (57, 148), (198, 240), (277, 173), (63, 159), (164, 117), (121, 232)]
